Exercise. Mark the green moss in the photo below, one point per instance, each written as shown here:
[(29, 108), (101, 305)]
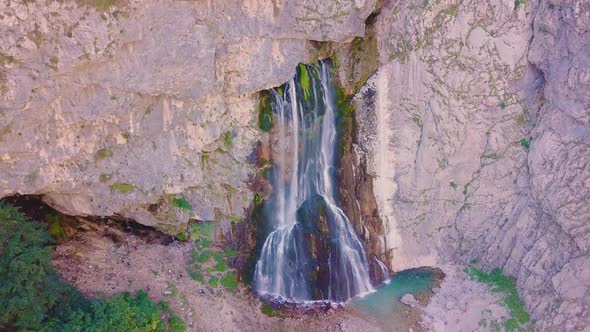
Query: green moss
[(228, 139), (196, 276), (229, 252), (218, 256), (122, 187), (503, 105), (229, 281), (182, 236), (103, 154), (204, 159), (517, 3), (105, 178), (55, 229), (417, 120), (235, 219), (267, 309), (203, 257), (304, 80), (213, 282), (203, 230), (525, 143), (265, 115), (221, 267), (452, 11), (500, 283), (181, 203), (453, 185)]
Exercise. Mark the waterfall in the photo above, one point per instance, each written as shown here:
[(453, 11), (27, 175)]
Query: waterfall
[(385, 276), (312, 251)]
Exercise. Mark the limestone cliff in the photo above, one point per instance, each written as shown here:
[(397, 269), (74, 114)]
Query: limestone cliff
[(476, 127), (126, 107), (472, 121)]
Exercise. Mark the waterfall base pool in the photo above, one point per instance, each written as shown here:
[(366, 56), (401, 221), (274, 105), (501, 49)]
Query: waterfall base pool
[(384, 304)]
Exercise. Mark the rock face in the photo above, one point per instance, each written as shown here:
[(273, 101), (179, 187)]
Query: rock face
[(476, 127), (473, 128), (126, 106)]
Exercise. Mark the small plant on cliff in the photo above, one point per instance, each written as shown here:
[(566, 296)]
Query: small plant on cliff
[(181, 203), (125, 188), (525, 143), (265, 116), (304, 80), (228, 139), (500, 283)]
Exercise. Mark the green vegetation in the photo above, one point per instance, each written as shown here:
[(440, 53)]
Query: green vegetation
[(228, 138), (235, 219), (55, 230), (176, 324), (208, 262), (520, 120), (213, 282), (453, 185), (519, 319), (105, 178), (33, 297), (304, 80), (503, 105), (103, 154), (182, 236), (417, 120), (125, 188), (267, 309), (346, 124), (229, 281), (221, 267), (525, 143), (265, 115), (181, 203), (517, 3)]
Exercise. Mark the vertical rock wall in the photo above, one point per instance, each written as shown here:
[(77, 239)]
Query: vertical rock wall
[(476, 129)]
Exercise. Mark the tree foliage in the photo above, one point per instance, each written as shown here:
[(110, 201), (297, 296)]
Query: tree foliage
[(33, 296)]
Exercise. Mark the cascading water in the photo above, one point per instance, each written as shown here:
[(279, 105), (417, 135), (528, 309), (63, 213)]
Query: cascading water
[(312, 251)]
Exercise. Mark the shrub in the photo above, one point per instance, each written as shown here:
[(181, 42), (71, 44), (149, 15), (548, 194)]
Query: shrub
[(30, 290), (33, 297), (176, 324), (500, 283), (230, 281), (122, 312)]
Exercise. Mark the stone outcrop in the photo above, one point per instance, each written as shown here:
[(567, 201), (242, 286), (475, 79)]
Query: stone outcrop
[(130, 107), (476, 128), (472, 121)]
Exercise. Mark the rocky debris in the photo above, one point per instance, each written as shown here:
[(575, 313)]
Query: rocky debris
[(409, 300)]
